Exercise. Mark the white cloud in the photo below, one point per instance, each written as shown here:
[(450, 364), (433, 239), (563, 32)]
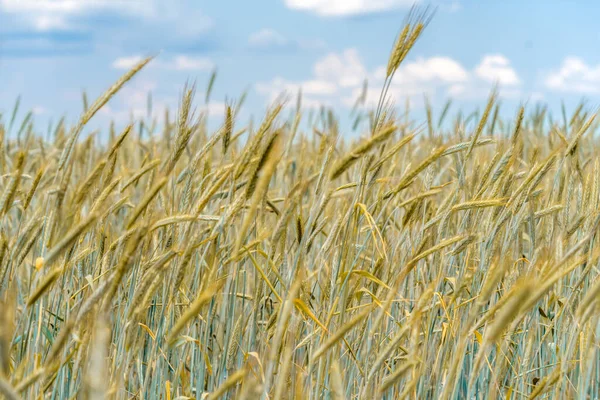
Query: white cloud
[(188, 63), (450, 6), (345, 69), (178, 63), (492, 69), (424, 76), (318, 87), (64, 14), (57, 14), (338, 78), (496, 68), (37, 110), (126, 62), (216, 109), (332, 73), (442, 69), (68, 7), (574, 76), (50, 22), (346, 7), (267, 38)]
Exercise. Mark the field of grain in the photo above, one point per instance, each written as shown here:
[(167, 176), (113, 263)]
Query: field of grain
[(442, 259)]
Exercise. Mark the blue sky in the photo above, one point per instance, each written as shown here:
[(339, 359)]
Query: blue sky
[(51, 50)]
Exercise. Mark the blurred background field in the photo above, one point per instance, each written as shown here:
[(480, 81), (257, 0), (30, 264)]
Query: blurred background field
[(403, 228)]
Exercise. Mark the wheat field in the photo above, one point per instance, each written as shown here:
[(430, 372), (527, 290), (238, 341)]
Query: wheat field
[(442, 259)]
